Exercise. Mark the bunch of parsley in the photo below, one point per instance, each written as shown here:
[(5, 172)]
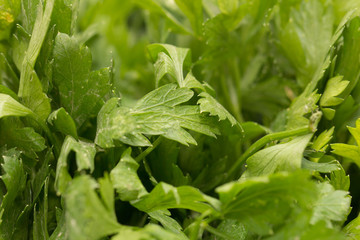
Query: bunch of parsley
[(179, 119)]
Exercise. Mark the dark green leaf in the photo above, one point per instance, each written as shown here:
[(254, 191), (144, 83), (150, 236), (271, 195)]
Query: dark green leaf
[(80, 89), (125, 179), (63, 122)]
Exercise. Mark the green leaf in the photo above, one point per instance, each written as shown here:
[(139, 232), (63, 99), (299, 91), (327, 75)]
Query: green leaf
[(171, 60), (85, 154), (347, 151), (8, 91), (321, 167), (306, 38), (348, 63), (33, 97), (164, 165), (214, 108), (80, 90), (23, 138), (86, 215), (63, 122), (14, 180), (352, 229), (125, 179), (301, 106), (168, 10), (263, 202), (355, 132), (63, 15), (149, 232), (191, 82), (339, 180), (253, 130), (194, 12), (168, 223), (37, 38), (321, 142), (228, 6), (350, 151), (232, 228), (157, 113), (107, 193), (10, 107), (60, 232), (165, 196), (40, 230), (334, 87), (332, 205), (281, 157)]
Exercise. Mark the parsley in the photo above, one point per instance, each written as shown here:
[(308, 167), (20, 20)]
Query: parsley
[(179, 119)]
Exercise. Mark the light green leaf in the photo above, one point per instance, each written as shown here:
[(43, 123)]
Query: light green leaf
[(352, 229), (334, 87), (169, 59), (228, 6), (125, 179), (37, 38), (262, 202), (191, 82), (165, 196), (331, 206), (86, 215), (34, 98), (320, 143), (321, 167), (350, 151), (347, 151), (80, 90), (10, 107), (281, 157), (214, 108), (355, 132), (303, 105), (157, 113), (149, 232), (107, 193), (63, 122), (85, 154), (339, 180)]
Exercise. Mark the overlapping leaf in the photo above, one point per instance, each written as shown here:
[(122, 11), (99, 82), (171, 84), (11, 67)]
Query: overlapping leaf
[(158, 113), (80, 89)]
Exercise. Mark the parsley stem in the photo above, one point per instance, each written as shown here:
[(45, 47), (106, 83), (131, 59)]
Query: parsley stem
[(149, 149), (263, 141)]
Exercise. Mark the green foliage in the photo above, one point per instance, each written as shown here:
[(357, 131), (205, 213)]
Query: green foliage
[(159, 119)]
